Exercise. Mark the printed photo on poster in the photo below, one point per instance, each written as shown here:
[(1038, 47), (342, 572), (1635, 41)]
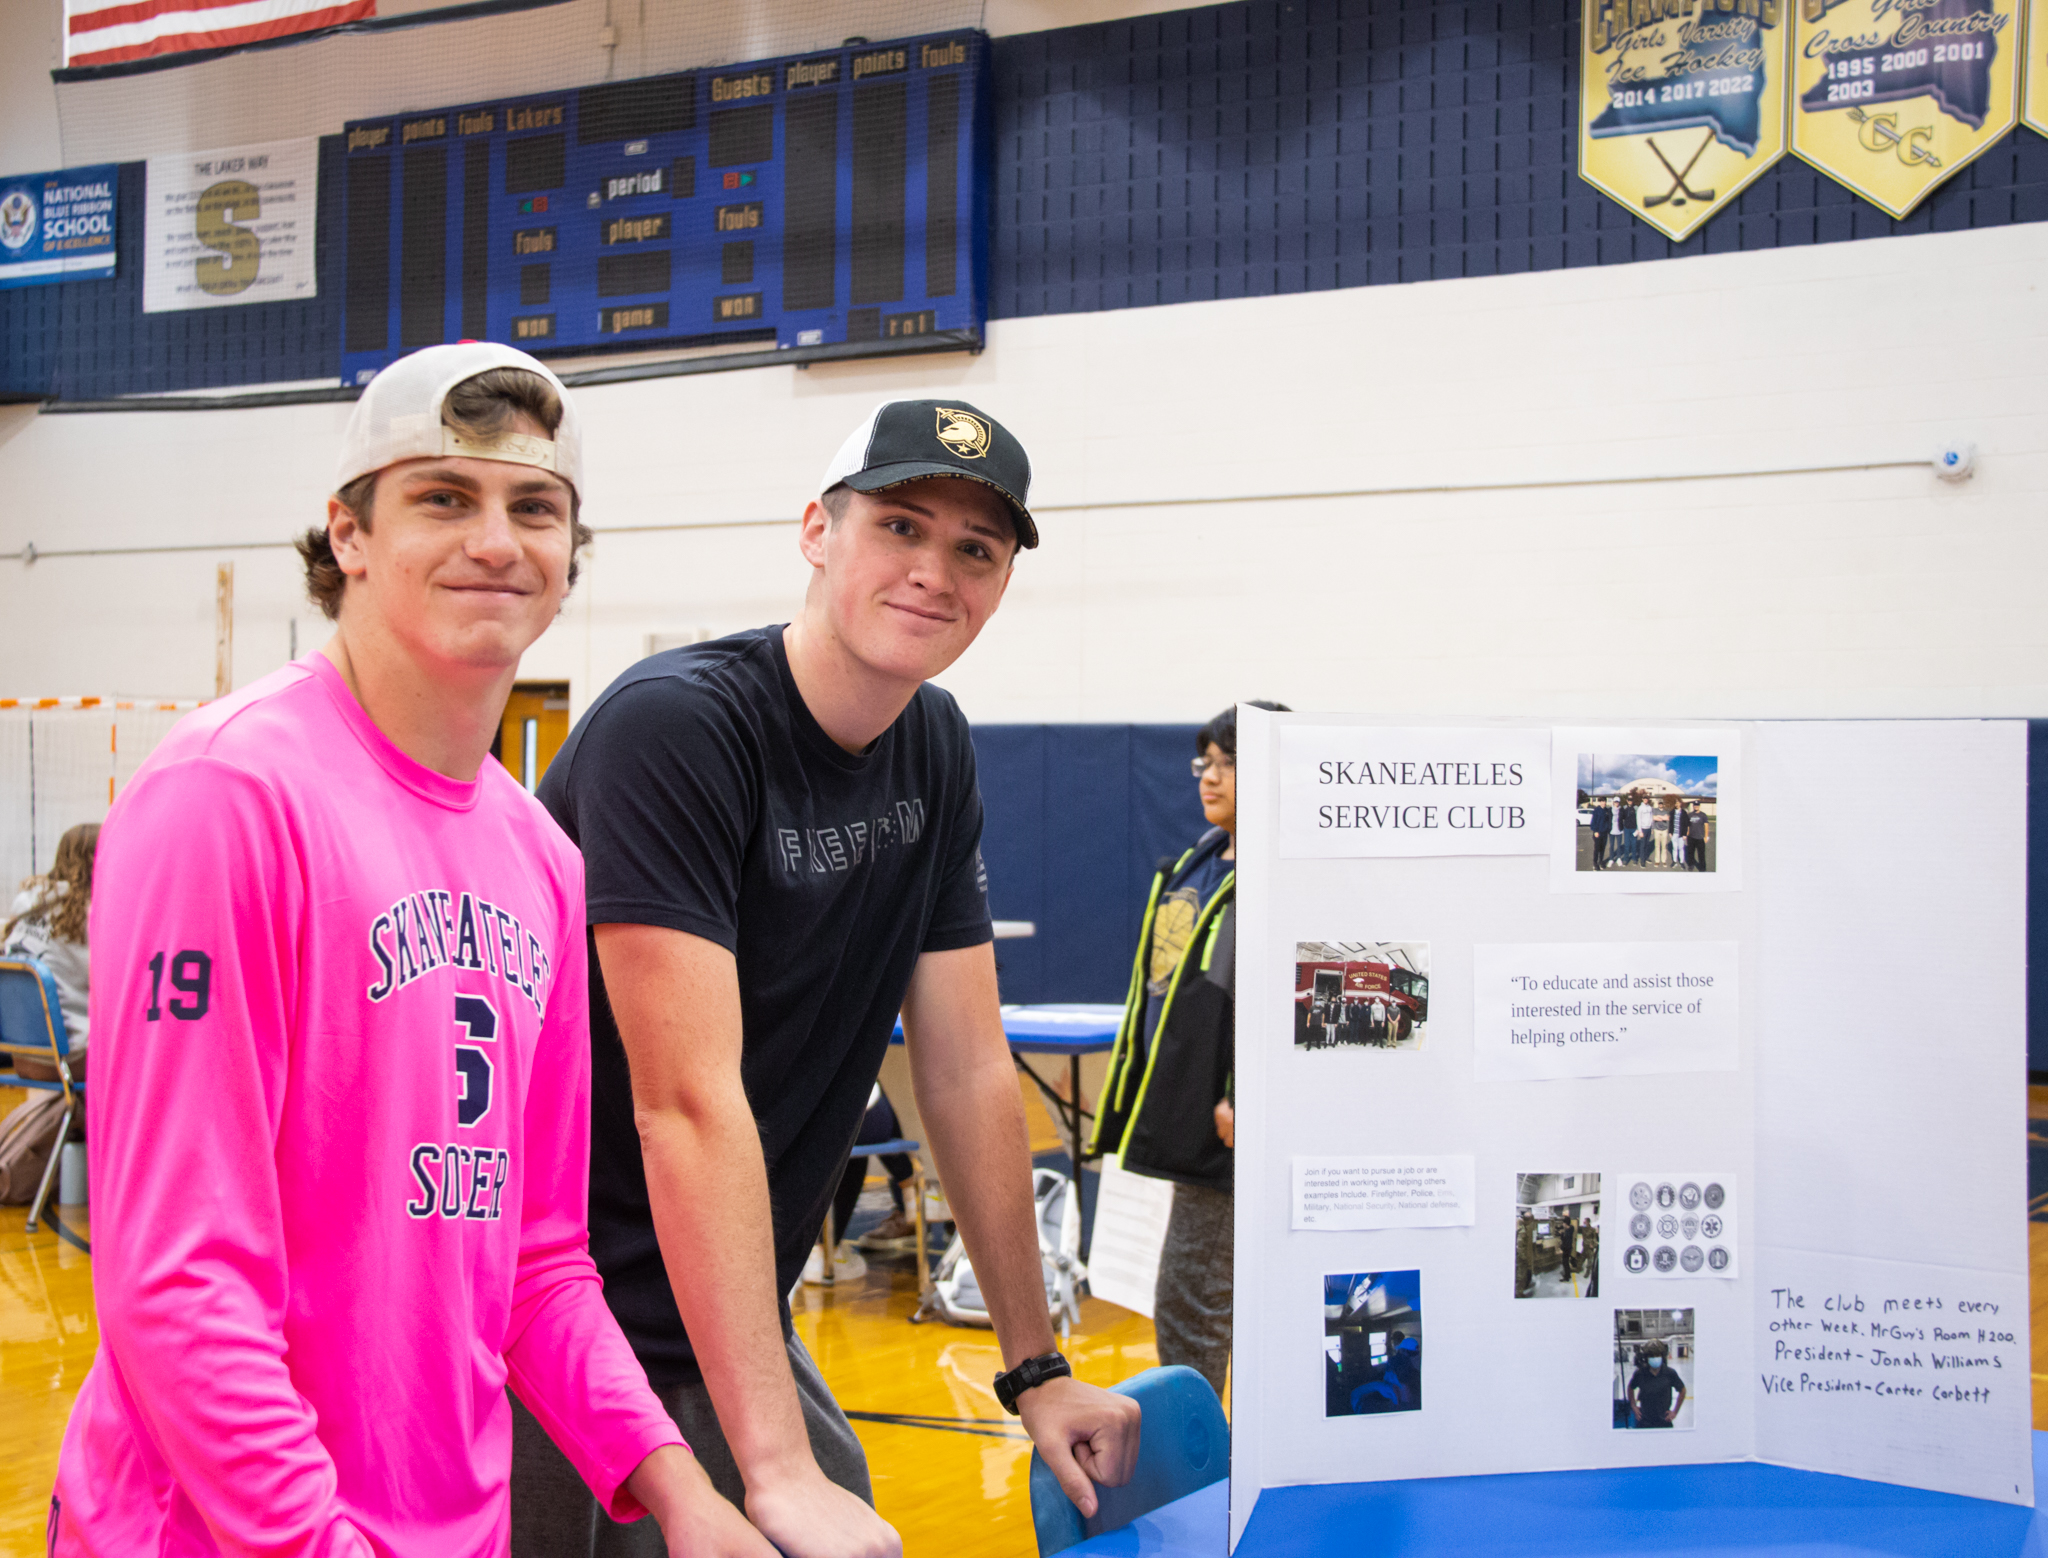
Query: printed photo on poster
[(1654, 1357), (1372, 1343), (1557, 1236), (1365, 994), (1645, 811), (1651, 811), (1679, 1225)]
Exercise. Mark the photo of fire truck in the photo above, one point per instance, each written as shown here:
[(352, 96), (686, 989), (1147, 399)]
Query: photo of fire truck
[(1373, 994)]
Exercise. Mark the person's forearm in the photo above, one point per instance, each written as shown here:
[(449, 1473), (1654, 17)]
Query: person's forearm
[(975, 1119), (708, 1190)]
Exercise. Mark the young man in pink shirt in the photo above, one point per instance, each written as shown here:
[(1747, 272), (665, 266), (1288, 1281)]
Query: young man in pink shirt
[(341, 1064)]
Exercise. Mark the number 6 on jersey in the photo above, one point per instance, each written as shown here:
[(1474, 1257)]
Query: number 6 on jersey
[(477, 1018)]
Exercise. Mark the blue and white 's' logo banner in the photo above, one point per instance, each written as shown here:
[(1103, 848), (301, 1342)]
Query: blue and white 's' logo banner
[(57, 226)]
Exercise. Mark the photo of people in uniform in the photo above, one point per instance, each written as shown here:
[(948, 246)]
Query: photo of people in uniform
[(1653, 1368), (1647, 812), (1557, 1236), (1370, 994), (1372, 1342)]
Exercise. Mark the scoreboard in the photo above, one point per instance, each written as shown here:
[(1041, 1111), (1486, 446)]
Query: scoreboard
[(816, 200)]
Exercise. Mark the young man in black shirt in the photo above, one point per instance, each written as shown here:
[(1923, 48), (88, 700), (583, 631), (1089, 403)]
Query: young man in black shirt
[(781, 832)]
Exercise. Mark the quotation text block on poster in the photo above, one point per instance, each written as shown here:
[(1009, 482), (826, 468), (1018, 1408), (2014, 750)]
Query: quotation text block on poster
[(1352, 790), (1592, 1009)]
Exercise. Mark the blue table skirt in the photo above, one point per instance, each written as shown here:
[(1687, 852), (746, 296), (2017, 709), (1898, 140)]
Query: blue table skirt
[(1671, 1512)]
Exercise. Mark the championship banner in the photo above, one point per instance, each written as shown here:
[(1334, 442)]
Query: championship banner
[(2034, 102), (1681, 104), (1892, 97), (229, 227), (57, 226)]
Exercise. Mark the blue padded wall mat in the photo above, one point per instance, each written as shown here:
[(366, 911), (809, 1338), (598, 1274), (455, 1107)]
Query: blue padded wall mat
[(1304, 145), (1076, 819), (90, 340)]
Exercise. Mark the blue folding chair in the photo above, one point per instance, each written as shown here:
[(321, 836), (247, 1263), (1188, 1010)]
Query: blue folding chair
[(32, 1024), (1184, 1445)]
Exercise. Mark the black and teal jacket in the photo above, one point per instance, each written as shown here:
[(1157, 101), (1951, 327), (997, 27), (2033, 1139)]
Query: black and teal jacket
[(1158, 1104)]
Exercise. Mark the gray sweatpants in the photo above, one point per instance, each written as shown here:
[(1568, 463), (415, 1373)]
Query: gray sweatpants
[(555, 1516), (1191, 1303)]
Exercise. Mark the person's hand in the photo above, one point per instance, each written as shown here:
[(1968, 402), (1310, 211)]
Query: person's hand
[(696, 1520), (1087, 1435), (1226, 1122), (807, 1515)]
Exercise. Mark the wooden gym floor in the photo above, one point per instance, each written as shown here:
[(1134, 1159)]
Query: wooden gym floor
[(953, 1481)]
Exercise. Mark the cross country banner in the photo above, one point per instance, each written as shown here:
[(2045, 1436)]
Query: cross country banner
[(1681, 103), (57, 226), (1891, 97), (2034, 102)]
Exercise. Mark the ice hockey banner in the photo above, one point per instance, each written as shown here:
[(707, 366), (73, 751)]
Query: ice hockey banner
[(1681, 104), (57, 226), (1892, 99), (113, 32), (226, 227)]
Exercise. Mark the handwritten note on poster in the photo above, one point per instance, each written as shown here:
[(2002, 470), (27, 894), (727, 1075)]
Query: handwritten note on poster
[(1592, 1009), (1891, 1369), (1390, 1190)]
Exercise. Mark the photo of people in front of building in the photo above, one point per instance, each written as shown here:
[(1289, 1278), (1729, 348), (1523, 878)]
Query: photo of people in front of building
[(1557, 1236), (1373, 994), (1653, 1368), (1647, 812), (1372, 1342)]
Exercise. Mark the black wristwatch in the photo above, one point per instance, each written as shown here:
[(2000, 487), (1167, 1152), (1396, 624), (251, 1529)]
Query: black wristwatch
[(1032, 1371)]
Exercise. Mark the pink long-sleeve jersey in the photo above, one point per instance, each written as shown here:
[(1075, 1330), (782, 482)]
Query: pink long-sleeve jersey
[(339, 1111)]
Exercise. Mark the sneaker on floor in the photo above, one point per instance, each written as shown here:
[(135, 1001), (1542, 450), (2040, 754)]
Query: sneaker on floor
[(893, 1235), (847, 1265), (814, 1267)]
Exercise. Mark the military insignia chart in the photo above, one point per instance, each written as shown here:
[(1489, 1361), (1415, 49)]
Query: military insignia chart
[(1677, 1225), (1892, 97), (1682, 104)]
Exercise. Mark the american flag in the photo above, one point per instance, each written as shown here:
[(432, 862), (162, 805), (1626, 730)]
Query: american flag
[(107, 32)]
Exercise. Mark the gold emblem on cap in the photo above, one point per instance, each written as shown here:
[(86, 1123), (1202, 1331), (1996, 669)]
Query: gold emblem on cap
[(964, 433), (512, 448)]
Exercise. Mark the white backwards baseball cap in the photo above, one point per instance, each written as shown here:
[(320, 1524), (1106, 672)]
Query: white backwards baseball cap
[(398, 417)]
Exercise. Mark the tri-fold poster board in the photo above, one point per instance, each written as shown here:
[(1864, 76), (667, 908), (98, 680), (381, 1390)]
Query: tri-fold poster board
[(1630, 1096)]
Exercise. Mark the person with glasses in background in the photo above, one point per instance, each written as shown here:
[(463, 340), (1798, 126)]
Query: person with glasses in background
[(1166, 1103)]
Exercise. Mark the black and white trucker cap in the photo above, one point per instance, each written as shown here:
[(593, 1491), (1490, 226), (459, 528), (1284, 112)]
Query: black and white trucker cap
[(908, 440)]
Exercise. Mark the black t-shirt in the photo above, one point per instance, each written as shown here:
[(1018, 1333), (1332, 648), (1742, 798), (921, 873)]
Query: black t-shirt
[(1655, 1388), (706, 799)]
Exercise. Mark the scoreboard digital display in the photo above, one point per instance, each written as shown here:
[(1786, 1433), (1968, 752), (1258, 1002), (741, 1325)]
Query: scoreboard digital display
[(817, 200)]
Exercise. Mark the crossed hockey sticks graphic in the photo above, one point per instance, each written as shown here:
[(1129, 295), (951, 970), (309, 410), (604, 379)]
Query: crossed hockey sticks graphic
[(1680, 191)]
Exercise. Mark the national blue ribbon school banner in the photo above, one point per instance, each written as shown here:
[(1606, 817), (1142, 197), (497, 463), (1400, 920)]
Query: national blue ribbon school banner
[(57, 226)]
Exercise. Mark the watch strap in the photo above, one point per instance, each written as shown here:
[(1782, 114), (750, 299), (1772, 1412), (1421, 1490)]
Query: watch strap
[(1028, 1374)]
